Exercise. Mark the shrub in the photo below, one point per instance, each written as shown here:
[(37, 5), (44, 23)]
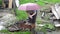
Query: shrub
[(21, 15)]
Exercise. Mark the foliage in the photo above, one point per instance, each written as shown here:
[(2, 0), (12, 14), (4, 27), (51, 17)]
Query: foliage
[(0, 2), (26, 1), (40, 2), (45, 27), (21, 15), (20, 32)]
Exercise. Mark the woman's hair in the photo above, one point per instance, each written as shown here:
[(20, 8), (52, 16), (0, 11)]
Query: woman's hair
[(30, 12)]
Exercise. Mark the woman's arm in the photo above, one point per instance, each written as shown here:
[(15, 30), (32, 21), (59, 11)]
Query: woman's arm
[(33, 13), (29, 15)]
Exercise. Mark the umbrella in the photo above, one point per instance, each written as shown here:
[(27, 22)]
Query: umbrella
[(29, 6)]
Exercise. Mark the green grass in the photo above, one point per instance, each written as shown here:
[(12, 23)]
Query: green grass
[(20, 32), (21, 15), (40, 2), (25, 1), (0, 2)]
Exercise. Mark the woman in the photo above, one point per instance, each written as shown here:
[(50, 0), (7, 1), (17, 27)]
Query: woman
[(32, 17)]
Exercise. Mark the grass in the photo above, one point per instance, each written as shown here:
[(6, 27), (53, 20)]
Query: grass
[(20, 32), (40, 2), (21, 15), (0, 2)]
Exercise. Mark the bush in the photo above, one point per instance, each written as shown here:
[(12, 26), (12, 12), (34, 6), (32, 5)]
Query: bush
[(0, 2), (21, 15)]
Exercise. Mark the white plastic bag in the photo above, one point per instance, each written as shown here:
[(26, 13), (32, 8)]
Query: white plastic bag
[(17, 3)]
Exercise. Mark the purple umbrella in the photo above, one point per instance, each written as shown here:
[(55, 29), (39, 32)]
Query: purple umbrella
[(29, 6)]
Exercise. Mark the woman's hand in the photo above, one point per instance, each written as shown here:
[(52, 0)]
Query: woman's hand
[(30, 16)]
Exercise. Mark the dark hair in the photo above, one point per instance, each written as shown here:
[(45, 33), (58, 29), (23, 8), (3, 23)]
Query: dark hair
[(30, 12)]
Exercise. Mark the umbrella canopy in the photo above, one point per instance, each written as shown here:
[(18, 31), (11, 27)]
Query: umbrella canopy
[(29, 6)]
